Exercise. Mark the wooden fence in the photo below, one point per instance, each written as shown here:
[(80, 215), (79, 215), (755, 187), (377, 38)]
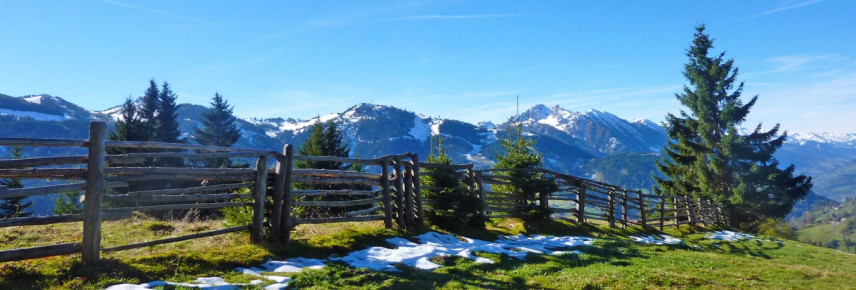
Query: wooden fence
[(116, 177)]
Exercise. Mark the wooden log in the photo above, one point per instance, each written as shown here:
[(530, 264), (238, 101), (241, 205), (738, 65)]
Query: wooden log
[(164, 145), (337, 203), (135, 157), (287, 196), (364, 211), (564, 198), (443, 165), (278, 190), (42, 161), (40, 220), (494, 182), (199, 177), (563, 210), (624, 209), (505, 204), (42, 142), (399, 194), (642, 208), (191, 190), (199, 198), (176, 207), (325, 180), (387, 200), (94, 190), (39, 252), (496, 216), (257, 227), (339, 219), (33, 191), (337, 159), (338, 192), (611, 209), (178, 171), (417, 189), (409, 211), (662, 212), (335, 174), (433, 188), (581, 204), (44, 173), (178, 239)]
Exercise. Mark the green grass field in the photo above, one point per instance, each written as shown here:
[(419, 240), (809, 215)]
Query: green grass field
[(614, 262)]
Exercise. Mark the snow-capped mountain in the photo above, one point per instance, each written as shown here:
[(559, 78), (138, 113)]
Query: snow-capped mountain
[(594, 144)]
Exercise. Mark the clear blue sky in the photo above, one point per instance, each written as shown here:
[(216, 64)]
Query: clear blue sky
[(462, 60)]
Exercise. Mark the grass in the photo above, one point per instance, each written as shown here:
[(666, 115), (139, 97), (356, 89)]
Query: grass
[(615, 261)]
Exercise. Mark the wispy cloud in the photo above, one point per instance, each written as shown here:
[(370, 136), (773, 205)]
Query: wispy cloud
[(791, 63), (456, 16), (780, 9), (326, 47), (159, 12)]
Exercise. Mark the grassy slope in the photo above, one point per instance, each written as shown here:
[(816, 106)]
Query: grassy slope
[(615, 262)]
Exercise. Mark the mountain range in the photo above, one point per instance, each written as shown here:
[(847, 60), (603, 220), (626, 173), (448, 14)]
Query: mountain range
[(592, 144)]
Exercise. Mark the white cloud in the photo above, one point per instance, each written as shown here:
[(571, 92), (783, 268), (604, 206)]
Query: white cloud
[(789, 7)]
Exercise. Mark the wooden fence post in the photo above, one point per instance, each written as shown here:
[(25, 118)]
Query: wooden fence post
[(417, 189), (690, 210), (387, 201), (257, 228), (277, 216), (611, 210), (408, 195), (677, 209), (399, 194), (642, 209), (91, 251), (702, 211), (287, 198), (581, 203), (662, 212), (471, 185), (624, 209)]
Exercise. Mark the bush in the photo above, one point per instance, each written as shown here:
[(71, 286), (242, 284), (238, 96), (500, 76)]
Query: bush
[(777, 228)]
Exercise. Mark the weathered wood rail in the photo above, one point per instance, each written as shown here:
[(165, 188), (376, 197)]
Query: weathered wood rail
[(282, 196)]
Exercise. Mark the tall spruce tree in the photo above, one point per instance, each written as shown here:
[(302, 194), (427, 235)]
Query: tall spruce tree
[(219, 128), (149, 111), (706, 156), (15, 207), (167, 125), (325, 139)]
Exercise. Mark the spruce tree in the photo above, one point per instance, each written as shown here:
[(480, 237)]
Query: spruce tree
[(15, 207), (325, 139), (66, 203), (706, 157), (167, 125), (130, 128), (522, 160), (452, 206), (149, 111), (219, 128)]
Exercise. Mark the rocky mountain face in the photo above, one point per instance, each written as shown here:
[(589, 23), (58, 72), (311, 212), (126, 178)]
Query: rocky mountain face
[(592, 144)]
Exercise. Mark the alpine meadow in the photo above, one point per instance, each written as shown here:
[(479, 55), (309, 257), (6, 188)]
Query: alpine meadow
[(291, 145)]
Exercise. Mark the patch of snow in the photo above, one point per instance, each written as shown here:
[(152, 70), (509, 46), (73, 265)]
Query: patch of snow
[(729, 236), (421, 130), (657, 240), (34, 115), (435, 127), (434, 244), (826, 137), (487, 125), (34, 99)]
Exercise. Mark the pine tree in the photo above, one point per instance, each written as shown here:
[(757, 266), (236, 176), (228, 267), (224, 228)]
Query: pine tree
[(149, 111), (452, 205), (706, 156), (15, 207), (130, 128), (219, 128), (167, 125), (66, 203), (522, 160), (324, 140)]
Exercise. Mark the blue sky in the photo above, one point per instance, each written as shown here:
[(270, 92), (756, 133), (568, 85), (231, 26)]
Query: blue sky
[(462, 60)]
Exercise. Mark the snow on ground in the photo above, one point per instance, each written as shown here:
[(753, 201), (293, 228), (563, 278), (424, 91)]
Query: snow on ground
[(34, 115), (432, 244), (657, 240), (421, 130), (729, 236)]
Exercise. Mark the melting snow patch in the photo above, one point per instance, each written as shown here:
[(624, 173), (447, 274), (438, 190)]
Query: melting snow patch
[(729, 236), (657, 240), (434, 244)]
